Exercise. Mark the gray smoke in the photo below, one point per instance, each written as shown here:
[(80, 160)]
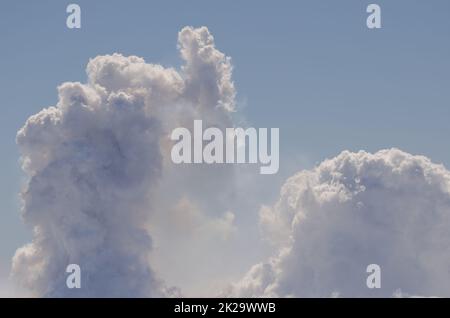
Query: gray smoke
[(94, 160)]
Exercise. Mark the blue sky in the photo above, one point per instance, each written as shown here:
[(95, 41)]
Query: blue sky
[(311, 68)]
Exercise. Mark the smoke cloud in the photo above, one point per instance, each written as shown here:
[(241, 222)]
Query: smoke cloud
[(102, 192), (94, 163), (389, 208)]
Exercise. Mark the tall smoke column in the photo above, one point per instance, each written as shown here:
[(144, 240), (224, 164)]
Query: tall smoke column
[(93, 160)]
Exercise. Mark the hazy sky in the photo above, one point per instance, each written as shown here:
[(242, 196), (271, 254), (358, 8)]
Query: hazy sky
[(311, 68)]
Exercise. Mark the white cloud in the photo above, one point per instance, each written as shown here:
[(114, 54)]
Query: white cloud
[(102, 192), (389, 208), (95, 162)]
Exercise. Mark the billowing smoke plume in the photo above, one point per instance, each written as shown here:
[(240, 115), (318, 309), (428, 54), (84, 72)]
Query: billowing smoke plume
[(94, 159), (389, 208)]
